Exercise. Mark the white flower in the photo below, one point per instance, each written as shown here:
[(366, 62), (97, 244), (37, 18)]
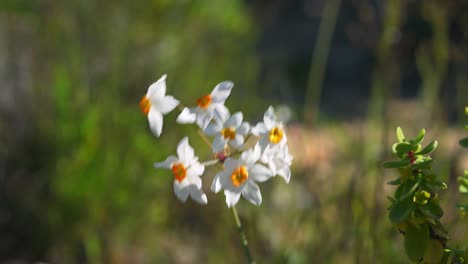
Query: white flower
[(270, 131), (230, 131), (239, 177), (279, 160), (155, 104), (187, 171), (208, 106)]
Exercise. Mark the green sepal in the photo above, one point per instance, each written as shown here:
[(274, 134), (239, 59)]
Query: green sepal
[(428, 149), (401, 210), (416, 241), (396, 164), (399, 134)]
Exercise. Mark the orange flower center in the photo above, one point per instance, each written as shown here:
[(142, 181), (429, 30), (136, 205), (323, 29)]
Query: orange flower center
[(239, 176), (204, 101), (145, 105), (179, 171), (228, 133), (276, 134)]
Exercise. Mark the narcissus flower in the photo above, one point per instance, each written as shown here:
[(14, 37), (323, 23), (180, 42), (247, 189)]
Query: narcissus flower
[(187, 171), (230, 131), (155, 104), (270, 131), (239, 177), (208, 107), (278, 159)]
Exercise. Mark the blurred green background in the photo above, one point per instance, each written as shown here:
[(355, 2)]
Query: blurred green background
[(76, 154)]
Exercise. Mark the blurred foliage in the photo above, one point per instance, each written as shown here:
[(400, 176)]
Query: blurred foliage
[(78, 185)]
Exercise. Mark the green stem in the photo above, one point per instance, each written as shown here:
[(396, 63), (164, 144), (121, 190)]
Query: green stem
[(244, 241)]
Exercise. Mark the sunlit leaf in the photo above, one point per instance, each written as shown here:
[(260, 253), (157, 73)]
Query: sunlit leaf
[(400, 135), (429, 148)]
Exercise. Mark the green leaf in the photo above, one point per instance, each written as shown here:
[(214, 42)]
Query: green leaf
[(432, 209), (396, 164), (463, 181), (429, 148), (406, 190), (434, 252), (425, 164), (400, 135), (395, 182), (401, 210), (416, 241), (420, 136), (404, 147), (464, 142)]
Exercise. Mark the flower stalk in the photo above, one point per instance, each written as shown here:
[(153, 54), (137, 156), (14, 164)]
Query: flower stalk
[(243, 237)]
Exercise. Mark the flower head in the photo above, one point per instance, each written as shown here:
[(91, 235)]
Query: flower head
[(187, 171), (208, 107), (239, 177), (155, 104), (232, 131), (270, 131), (278, 159)]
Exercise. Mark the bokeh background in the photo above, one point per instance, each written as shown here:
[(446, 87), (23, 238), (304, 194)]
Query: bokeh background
[(76, 154)]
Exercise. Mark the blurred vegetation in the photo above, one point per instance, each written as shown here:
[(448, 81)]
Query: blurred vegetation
[(78, 185)]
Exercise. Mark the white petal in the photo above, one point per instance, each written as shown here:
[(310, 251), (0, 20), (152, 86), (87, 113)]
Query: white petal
[(158, 88), (194, 180), (237, 142), (252, 155), (185, 152), (198, 195), (186, 116), (285, 173), (259, 129), (234, 121), (216, 184), (221, 92), (269, 118), (165, 104), (181, 191), (203, 119), (213, 129), (155, 120), (260, 173), (218, 144), (221, 113), (243, 128), (231, 197), (195, 170), (167, 163), (251, 192)]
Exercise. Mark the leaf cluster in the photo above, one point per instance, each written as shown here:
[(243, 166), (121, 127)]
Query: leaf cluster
[(415, 209)]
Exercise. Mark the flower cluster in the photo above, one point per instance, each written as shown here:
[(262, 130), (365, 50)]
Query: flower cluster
[(241, 167)]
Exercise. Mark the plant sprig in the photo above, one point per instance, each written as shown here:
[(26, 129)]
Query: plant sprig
[(415, 208)]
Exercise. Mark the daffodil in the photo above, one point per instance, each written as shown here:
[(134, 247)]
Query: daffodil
[(230, 131), (208, 107), (187, 171), (239, 177), (270, 131), (155, 103), (278, 159)]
